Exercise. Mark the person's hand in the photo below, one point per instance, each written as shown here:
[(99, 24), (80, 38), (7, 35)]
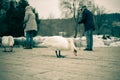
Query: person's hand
[(78, 22), (24, 25)]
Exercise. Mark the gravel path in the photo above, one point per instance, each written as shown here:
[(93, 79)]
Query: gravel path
[(42, 64)]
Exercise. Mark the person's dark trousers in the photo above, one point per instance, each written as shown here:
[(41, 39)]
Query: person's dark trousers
[(29, 39), (89, 39)]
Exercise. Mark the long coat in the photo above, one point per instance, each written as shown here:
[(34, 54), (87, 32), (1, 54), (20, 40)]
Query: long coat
[(29, 19), (87, 20)]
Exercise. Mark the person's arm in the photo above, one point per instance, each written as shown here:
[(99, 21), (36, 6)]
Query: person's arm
[(25, 20), (83, 18)]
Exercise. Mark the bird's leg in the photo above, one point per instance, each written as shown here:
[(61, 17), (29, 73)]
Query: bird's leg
[(56, 53), (60, 56), (11, 48), (59, 52), (5, 50)]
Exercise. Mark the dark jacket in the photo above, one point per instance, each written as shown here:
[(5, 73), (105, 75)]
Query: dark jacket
[(87, 20)]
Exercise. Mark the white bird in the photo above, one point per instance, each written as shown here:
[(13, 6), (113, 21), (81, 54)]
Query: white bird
[(8, 42), (59, 43)]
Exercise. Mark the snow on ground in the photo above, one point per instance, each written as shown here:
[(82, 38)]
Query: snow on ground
[(98, 41)]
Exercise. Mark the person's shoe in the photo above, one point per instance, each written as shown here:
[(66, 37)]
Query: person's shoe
[(88, 49), (30, 46), (27, 47)]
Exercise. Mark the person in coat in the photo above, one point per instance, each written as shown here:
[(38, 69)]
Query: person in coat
[(30, 26), (88, 21)]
